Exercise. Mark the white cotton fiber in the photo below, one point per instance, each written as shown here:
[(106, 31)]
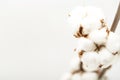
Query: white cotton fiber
[(113, 43), (85, 45), (99, 36), (106, 57), (89, 24), (80, 13), (90, 61), (76, 15)]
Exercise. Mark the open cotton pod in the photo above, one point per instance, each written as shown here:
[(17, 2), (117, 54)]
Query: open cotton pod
[(90, 24), (99, 36), (106, 57), (90, 61), (88, 17), (89, 76), (87, 25), (113, 43), (85, 44)]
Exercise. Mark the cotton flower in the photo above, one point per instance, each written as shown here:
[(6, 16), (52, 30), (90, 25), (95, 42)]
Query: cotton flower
[(75, 63), (113, 43), (99, 36), (85, 45), (90, 61), (77, 76), (106, 57), (89, 76)]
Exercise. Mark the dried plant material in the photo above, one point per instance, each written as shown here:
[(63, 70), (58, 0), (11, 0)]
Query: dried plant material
[(97, 45)]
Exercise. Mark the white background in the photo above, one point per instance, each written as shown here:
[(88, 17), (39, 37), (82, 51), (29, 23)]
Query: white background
[(36, 42)]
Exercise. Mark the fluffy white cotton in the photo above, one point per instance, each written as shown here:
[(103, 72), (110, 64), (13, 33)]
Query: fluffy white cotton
[(76, 15), (80, 13), (75, 63), (99, 36), (66, 76), (106, 57), (113, 43), (89, 24), (95, 12), (85, 44), (89, 76), (89, 17), (90, 61), (77, 76)]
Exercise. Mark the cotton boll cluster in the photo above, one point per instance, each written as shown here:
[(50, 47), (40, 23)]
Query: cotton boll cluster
[(97, 46)]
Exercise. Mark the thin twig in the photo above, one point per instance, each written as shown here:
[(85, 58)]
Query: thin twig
[(116, 19)]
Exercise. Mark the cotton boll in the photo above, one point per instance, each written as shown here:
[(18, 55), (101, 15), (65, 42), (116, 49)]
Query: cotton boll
[(99, 36), (76, 15), (77, 76), (66, 76), (95, 12), (89, 24), (90, 61), (106, 57), (75, 63), (113, 43), (85, 45), (89, 76)]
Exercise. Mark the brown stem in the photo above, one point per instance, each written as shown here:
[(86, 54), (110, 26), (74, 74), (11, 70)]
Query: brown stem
[(116, 19)]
